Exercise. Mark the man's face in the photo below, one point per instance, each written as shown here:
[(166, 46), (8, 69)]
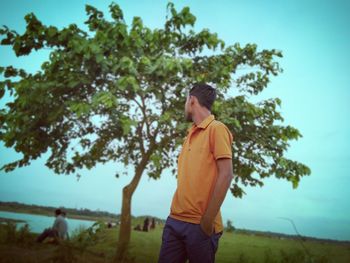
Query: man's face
[(188, 114)]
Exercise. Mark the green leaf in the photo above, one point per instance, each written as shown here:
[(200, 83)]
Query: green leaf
[(165, 117), (95, 49), (156, 158), (295, 181), (137, 22), (126, 125), (52, 31), (99, 58), (104, 98), (79, 108), (145, 61), (2, 89), (116, 12)]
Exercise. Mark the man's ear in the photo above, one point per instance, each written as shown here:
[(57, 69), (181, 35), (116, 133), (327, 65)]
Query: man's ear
[(193, 100)]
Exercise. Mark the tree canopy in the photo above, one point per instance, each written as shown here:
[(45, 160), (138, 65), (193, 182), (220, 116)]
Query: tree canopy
[(116, 93)]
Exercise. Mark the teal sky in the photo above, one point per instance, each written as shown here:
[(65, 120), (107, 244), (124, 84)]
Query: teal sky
[(314, 37)]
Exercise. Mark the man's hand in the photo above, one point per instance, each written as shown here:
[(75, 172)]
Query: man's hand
[(207, 226), (222, 184)]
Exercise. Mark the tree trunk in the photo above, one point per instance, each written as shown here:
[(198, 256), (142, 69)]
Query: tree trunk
[(125, 218), (125, 225)]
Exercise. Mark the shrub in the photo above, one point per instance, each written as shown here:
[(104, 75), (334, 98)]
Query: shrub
[(24, 237), (9, 234)]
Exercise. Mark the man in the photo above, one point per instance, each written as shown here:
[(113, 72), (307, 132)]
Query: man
[(64, 227), (194, 226), (58, 230)]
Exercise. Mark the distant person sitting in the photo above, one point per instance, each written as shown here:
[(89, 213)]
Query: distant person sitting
[(59, 230), (146, 225), (138, 227)]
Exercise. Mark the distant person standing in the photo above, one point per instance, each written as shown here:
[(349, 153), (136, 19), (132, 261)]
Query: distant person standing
[(153, 224), (145, 225), (194, 226), (58, 230)]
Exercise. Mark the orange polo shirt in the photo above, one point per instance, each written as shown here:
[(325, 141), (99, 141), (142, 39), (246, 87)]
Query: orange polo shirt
[(197, 170)]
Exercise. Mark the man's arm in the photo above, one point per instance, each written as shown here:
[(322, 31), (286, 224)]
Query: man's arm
[(225, 175)]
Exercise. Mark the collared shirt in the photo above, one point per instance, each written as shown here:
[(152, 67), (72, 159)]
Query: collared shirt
[(197, 170)]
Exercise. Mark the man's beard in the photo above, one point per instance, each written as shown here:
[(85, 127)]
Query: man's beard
[(188, 117)]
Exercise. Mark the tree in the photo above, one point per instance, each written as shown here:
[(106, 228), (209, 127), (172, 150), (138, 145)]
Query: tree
[(229, 226), (117, 93)]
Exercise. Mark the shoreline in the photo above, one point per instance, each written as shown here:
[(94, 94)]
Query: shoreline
[(11, 220), (72, 216), (86, 218)]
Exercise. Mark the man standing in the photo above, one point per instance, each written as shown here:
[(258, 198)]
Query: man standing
[(194, 226)]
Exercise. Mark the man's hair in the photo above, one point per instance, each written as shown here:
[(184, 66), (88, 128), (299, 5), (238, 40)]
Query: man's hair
[(205, 94), (58, 212)]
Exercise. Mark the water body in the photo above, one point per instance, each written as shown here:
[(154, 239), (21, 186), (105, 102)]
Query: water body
[(38, 223)]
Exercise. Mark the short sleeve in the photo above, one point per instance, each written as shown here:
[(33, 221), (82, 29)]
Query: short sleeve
[(221, 142)]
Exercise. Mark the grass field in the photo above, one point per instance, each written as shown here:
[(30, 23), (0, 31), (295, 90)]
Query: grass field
[(245, 248), (144, 248)]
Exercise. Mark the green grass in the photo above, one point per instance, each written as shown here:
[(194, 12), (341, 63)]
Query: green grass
[(145, 246)]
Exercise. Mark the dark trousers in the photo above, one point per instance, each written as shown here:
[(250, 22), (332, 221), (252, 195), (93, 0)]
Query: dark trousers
[(48, 232), (182, 241)]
